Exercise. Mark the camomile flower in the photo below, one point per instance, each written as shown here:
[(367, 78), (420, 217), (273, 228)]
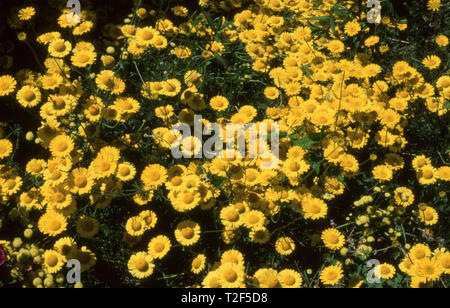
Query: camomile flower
[(83, 58), (253, 218), (198, 264), (150, 219), (125, 172), (80, 181), (6, 148), (231, 275), (83, 28), (159, 246), (314, 208), (107, 81), (212, 280), (48, 37), (259, 235), (285, 246), (59, 48), (136, 226), (28, 96), (219, 103), (65, 246), (87, 226), (444, 260), (7, 85), (230, 217), (53, 261), (429, 216), (383, 173), (420, 161), (185, 200), (434, 5), (427, 175), (10, 185), (333, 239), (419, 252), (232, 256), (427, 268), (34, 167), (267, 278), (442, 40), (52, 224), (26, 13), (187, 232), (403, 196), (61, 146), (432, 62), (352, 28), (154, 176), (86, 257), (331, 275), (386, 271), (141, 265), (290, 279), (145, 35), (272, 93), (444, 173)]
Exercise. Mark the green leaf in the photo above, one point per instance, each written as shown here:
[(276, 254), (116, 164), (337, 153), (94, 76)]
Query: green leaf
[(306, 142), (447, 106), (320, 18)]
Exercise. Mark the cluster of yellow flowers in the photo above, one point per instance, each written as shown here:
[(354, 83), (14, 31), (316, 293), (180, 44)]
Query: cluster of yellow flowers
[(331, 105)]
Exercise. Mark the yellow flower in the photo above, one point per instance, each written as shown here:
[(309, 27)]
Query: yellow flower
[(267, 278), (382, 173), (198, 264), (7, 85), (48, 37), (427, 268), (434, 5), (86, 257), (352, 28), (83, 28), (26, 13), (28, 96), (141, 265), (272, 93), (432, 62), (419, 252), (259, 235), (125, 172), (285, 246), (314, 208), (231, 275), (52, 223), (442, 40), (386, 271), (290, 279), (427, 175), (428, 216), (159, 246), (253, 218), (219, 103), (331, 275), (154, 176), (333, 239), (61, 146), (136, 226), (187, 233), (444, 173), (83, 58), (53, 261), (107, 81), (6, 148), (59, 48), (233, 256), (87, 226), (150, 219), (65, 246)]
